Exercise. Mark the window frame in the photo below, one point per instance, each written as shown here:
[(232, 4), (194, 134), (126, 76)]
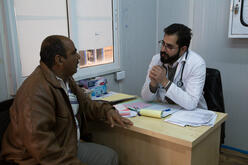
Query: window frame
[(103, 69)]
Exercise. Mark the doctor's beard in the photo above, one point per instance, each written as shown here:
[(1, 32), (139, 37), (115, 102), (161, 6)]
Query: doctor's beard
[(166, 59)]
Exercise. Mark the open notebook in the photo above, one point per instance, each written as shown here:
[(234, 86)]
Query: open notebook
[(158, 110)]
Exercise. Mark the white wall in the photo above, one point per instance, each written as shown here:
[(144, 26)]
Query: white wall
[(172, 11), (230, 56), (137, 41)]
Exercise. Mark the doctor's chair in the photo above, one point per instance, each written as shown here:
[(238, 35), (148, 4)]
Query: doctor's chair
[(213, 95)]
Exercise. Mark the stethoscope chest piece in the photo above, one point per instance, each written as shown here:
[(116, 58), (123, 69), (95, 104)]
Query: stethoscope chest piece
[(179, 83)]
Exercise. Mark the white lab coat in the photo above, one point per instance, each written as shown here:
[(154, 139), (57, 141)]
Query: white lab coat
[(190, 95)]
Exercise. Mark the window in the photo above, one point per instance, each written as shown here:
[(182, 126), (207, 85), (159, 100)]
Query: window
[(91, 24), (94, 32), (35, 20)]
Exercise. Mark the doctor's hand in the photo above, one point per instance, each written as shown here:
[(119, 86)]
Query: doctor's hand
[(114, 118), (158, 75)]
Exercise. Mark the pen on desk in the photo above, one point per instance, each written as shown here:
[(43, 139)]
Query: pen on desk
[(132, 109), (167, 109)]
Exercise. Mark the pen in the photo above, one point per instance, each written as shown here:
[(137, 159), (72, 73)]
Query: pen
[(167, 109), (133, 109)]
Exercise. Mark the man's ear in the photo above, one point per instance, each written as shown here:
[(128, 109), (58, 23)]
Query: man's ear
[(58, 60), (184, 48)]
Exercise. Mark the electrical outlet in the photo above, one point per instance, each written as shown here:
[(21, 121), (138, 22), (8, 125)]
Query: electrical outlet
[(120, 75)]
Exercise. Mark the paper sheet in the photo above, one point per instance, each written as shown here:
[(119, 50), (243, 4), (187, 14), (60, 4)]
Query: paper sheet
[(197, 117)]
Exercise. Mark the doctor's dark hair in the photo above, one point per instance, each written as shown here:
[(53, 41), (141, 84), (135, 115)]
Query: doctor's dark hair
[(51, 46), (183, 33)]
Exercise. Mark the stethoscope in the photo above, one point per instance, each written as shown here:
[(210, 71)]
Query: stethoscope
[(180, 82)]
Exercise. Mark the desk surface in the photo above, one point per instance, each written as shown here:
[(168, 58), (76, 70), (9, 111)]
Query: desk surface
[(186, 136)]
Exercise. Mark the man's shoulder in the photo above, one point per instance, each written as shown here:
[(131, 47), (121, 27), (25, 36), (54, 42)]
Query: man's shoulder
[(195, 58), (33, 82), (36, 75)]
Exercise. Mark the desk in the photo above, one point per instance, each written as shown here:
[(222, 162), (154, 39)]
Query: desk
[(152, 141)]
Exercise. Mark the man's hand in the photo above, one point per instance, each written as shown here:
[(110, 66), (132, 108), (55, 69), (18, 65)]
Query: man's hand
[(114, 117), (157, 75)]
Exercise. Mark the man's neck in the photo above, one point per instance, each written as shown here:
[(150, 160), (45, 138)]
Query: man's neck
[(60, 75)]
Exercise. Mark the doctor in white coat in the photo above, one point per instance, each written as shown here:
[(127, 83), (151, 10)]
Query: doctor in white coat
[(177, 74)]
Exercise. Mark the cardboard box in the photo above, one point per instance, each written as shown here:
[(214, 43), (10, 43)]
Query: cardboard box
[(98, 86)]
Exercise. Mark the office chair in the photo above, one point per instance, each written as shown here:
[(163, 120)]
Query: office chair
[(213, 95), (4, 122)]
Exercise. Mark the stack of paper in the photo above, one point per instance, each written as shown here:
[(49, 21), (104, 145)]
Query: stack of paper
[(197, 117), (124, 111)]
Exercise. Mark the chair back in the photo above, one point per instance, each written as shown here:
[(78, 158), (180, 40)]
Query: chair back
[(213, 94)]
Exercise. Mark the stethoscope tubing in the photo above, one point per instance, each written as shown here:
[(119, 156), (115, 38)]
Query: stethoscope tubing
[(180, 82)]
